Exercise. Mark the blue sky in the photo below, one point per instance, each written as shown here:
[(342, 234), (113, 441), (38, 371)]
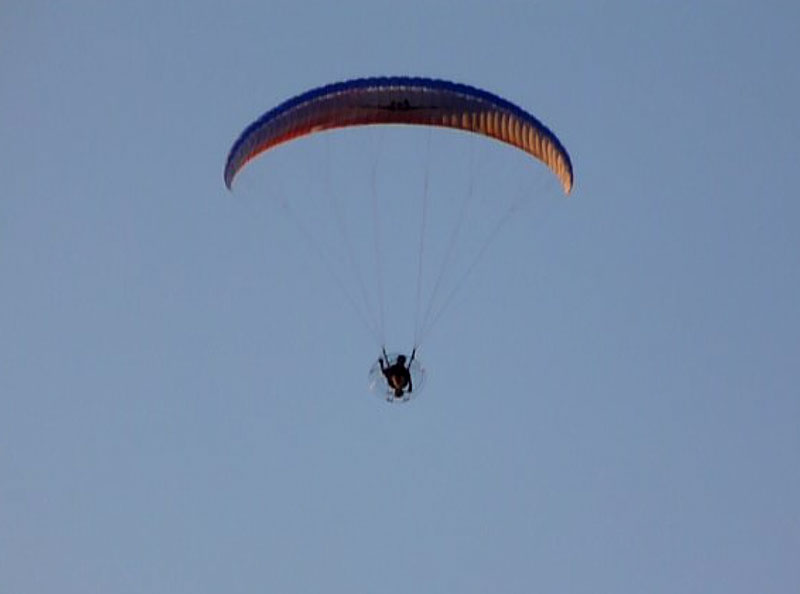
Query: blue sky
[(612, 399)]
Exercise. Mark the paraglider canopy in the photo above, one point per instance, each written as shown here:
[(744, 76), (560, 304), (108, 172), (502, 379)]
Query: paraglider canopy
[(401, 100)]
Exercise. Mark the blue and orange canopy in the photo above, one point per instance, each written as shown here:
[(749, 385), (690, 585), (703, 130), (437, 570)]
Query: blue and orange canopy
[(401, 100)]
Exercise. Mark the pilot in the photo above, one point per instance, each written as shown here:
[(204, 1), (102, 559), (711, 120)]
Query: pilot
[(398, 374)]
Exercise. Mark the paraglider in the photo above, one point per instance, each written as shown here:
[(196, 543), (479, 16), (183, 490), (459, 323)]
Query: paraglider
[(412, 101), (398, 374), (395, 378)]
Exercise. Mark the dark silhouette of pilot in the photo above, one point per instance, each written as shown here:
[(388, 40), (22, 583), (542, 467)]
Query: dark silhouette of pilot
[(398, 374)]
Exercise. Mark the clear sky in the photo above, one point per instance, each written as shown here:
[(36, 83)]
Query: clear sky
[(612, 398)]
